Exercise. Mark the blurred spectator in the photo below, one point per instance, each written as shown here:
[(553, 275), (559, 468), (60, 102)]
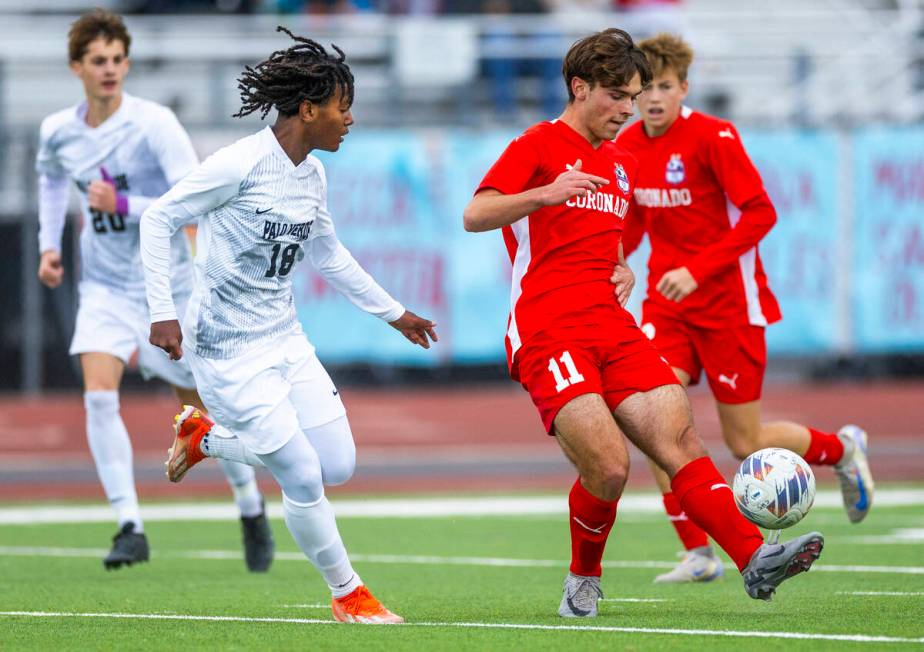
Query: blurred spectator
[(506, 66), (189, 6)]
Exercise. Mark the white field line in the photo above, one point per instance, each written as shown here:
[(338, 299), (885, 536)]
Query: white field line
[(426, 560), (890, 593), (306, 606), (899, 535), (395, 508), (852, 638), (635, 600)]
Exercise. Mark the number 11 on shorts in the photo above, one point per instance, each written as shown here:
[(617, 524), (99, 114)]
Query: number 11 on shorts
[(574, 377)]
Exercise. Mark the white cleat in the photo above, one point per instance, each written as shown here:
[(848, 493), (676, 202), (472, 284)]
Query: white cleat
[(853, 472), (580, 596), (694, 567)]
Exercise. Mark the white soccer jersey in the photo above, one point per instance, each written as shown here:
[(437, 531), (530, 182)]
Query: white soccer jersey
[(143, 148), (258, 214)]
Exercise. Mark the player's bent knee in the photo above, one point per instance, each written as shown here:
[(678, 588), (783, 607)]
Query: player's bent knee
[(306, 487), (607, 479), (741, 447), (690, 442), (339, 472)]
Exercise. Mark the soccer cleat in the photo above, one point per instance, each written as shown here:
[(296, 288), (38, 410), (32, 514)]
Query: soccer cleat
[(771, 564), (694, 567), (853, 472), (190, 427), (258, 542), (128, 547), (579, 596), (360, 606)]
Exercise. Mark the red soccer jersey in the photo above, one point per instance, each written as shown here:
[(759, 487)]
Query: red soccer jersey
[(704, 207), (563, 256)]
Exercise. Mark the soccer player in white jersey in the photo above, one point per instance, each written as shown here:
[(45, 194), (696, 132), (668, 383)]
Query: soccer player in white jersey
[(261, 205), (122, 153)]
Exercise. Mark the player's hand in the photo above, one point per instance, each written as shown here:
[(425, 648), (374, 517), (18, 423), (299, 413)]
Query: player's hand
[(571, 183), (624, 280), (50, 271), (416, 329), (167, 335), (677, 284), (101, 196)]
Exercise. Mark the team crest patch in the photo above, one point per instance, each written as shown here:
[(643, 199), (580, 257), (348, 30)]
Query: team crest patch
[(622, 179), (675, 171)]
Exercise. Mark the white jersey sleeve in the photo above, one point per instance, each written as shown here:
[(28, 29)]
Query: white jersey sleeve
[(338, 267), (173, 150), (207, 187), (53, 196), (47, 161)]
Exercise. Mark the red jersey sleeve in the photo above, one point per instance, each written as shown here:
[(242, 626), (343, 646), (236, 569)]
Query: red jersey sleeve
[(744, 188), (511, 173)]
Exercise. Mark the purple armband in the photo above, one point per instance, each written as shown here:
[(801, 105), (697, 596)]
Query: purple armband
[(121, 204)]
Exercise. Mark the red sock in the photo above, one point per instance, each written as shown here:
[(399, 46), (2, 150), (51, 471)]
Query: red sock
[(707, 499), (824, 448), (690, 533), (591, 520)]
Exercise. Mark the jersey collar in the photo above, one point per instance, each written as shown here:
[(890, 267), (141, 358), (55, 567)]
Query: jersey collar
[(572, 136), (111, 123)]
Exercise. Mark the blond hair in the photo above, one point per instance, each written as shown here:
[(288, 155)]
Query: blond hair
[(667, 52)]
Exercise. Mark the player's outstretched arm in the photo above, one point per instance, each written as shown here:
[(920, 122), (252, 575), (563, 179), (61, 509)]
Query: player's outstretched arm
[(52, 214), (416, 329), (338, 267), (491, 209)]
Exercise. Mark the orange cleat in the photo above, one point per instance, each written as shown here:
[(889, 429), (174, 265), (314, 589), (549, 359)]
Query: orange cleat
[(360, 606), (190, 426)]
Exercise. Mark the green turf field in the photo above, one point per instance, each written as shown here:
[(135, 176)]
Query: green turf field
[(486, 582)]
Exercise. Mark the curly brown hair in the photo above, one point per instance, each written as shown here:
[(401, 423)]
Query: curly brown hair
[(98, 23)]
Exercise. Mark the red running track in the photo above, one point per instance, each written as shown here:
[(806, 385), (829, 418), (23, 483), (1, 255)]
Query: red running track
[(486, 438)]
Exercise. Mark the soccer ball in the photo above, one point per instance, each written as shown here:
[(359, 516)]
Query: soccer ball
[(774, 488)]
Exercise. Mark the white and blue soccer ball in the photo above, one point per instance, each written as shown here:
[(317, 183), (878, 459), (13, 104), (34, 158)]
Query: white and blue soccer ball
[(774, 488)]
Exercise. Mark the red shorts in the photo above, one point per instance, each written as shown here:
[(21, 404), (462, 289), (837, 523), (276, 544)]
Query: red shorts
[(613, 362), (734, 359)]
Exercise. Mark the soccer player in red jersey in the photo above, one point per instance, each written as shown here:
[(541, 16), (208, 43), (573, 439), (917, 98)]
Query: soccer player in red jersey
[(560, 193), (704, 207)]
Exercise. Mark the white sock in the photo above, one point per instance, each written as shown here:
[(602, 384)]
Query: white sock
[(221, 443), (112, 452), (315, 531), (243, 483)]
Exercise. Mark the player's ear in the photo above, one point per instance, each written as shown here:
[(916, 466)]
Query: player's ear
[(685, 87), (308, 111), (76, 67), (580, 88)]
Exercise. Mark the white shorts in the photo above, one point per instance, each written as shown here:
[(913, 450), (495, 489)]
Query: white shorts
[(268, 394), (110, 323)]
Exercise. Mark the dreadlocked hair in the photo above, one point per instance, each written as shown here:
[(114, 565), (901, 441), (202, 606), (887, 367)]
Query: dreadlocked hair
[(305, 71)]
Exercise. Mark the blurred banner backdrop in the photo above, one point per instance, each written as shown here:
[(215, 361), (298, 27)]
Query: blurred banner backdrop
[(888, 234), (848, 268)]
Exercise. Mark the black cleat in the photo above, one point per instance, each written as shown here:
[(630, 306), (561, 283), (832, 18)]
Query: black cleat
[(127, 548), (258, 542)]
